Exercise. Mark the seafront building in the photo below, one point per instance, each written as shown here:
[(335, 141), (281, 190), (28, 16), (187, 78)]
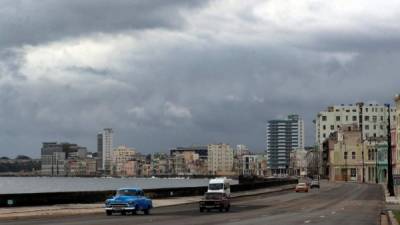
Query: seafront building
[(119, 157), (220, 160), (371, 118), (283, 136), (190, 160), (104, 149), (55, 156)]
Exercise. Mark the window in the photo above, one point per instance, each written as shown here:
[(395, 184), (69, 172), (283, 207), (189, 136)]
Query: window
[(323, 118), (381, 118), (366, 127), (374, 127), (332, 127), (366, 109), (324, 135), (353, 172), (347, 118), (374, 118), (366, 118), (345, 155), (381, 126), (354, 118), (353, 155), (323, 127), (337, 118)]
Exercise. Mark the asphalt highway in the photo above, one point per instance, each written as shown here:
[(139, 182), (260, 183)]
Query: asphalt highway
[(333, 204)]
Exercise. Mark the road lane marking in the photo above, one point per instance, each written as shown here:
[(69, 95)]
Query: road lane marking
[(307, 221), (322, 216)]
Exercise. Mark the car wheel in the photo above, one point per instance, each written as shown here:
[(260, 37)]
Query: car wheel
[(201, 209), (108, 212), (123, 213), (221, 209), (208, 210), (134, 212), (228, 208), (146, 211)]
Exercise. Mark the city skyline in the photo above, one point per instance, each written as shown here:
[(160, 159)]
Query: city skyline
[(176, 73)]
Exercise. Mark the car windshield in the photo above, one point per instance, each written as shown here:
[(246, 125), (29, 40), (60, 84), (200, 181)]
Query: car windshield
[(209, 196), (127, 192), (216, 186)]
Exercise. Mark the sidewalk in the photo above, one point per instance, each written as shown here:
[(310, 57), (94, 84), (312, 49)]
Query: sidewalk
[(80, 209)]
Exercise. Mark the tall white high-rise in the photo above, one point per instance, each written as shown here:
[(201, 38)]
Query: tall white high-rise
[(105, 147)]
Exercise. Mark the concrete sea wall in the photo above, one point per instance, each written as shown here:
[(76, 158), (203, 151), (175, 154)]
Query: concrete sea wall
[(52, 198)]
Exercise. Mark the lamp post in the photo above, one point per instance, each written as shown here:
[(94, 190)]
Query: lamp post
[(376, 165), (389, 158)]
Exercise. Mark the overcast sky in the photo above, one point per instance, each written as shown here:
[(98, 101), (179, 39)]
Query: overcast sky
[(174, 73)]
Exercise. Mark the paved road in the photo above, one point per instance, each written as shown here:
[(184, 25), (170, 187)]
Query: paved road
[(341, 203)]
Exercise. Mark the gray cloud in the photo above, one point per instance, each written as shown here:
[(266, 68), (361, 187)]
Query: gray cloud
[(164, 75)]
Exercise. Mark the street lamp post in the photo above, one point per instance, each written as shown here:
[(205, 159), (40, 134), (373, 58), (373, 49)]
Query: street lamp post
[(389, 158)]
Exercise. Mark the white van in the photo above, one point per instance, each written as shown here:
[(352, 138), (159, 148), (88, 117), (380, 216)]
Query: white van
[(220, 185)]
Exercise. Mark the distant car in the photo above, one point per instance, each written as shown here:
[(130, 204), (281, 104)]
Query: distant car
[(314, 183), (301, 187), (128, 200), (213, 200)]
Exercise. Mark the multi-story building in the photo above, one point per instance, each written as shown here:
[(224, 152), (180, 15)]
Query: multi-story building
[(104, 149), (371, 118), (298, 162), (283, 136), (55, 156), (189, 160), (254, 165), (220, 159), (119, 157)]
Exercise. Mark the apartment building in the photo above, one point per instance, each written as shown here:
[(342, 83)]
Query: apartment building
[(220, 159), (283, 136), (371, 119)]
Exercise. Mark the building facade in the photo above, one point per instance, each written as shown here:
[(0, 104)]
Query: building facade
[(298, 162), (119, 157), (55, 156), (282, 137), (220, 159), (104, 148), (371, 118), (189, 160)]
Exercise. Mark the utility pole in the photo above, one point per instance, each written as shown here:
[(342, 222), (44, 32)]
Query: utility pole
[(389, 158)]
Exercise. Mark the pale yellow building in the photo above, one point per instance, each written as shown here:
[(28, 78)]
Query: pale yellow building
[(119, 157), (220, 159)]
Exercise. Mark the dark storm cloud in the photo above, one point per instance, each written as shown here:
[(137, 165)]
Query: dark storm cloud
[(173, 73), (35, 22)]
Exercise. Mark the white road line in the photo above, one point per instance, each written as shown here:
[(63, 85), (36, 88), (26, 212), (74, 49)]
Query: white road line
[(307, 221)]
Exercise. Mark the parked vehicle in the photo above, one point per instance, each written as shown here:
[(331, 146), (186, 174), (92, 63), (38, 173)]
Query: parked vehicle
[(220, 185), (314, 183), (214, 200), (128, 200), (301, 187)]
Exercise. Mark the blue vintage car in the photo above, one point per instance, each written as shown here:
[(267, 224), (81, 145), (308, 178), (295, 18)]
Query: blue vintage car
[(128, 200)]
